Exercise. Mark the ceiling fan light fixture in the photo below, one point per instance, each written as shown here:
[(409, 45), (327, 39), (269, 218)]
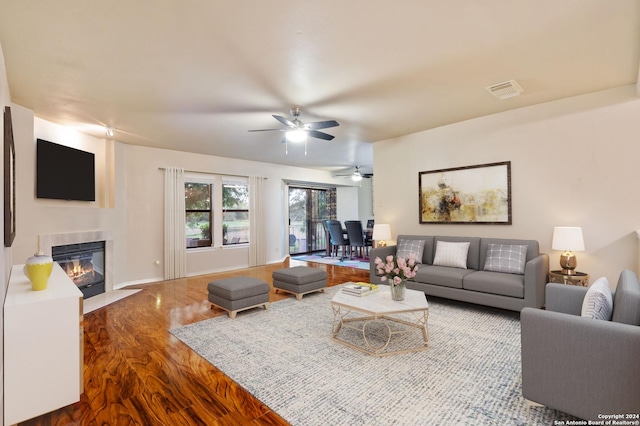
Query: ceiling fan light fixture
[(110, 131), (356, 177), (296, 135)]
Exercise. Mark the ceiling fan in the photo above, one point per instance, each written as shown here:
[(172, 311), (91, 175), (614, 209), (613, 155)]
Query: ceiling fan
[(297, 131), (357, 175)]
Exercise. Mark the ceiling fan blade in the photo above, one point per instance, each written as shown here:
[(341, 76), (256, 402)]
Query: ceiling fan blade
[(320, 135), (322, 125), (284, 121), (267, 130)]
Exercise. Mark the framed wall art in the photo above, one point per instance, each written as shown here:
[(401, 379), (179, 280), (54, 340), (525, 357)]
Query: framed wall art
[(9, 180), (466, 195)]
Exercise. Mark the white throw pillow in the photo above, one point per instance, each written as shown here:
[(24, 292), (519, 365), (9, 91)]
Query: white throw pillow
[(451, 254), (410, 246), (598, 302)]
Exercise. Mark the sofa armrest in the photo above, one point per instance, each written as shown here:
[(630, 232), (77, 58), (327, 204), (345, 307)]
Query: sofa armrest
[(380, 252), (565, 298), (535, 279), (581, 366)]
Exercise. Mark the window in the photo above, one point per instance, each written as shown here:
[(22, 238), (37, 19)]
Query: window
[(216, 210), (235, 213), (198, 217)]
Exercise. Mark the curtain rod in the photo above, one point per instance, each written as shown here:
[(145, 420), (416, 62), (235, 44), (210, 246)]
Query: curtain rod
[(213, 173)]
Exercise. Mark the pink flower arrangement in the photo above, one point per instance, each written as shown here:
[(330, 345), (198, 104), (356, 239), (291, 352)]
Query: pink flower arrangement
[(396, 269)]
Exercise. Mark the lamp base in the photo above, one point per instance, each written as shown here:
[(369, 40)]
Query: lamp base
[(381, 243), (568, 263)]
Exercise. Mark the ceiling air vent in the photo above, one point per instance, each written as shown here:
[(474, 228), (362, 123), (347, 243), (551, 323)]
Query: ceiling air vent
[(504, 90)]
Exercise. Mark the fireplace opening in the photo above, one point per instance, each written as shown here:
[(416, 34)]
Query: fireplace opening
[(84, 264)]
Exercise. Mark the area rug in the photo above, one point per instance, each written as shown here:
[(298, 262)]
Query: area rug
[(328, 260), (285, 356)]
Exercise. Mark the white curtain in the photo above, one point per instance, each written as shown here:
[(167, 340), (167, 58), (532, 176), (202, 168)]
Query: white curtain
[(175, 249), (257, 249)]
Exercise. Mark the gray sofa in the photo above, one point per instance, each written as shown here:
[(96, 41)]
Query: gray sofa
[(475, 285), (585, 367)]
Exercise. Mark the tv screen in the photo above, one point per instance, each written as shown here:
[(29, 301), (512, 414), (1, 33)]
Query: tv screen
[(64, 173)]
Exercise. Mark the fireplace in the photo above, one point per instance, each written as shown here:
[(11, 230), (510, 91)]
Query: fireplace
[(84, 263)]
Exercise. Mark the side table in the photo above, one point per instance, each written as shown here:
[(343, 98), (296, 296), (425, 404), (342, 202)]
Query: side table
[(577, 278)]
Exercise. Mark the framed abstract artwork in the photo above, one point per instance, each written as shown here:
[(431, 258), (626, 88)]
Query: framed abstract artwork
[(478, 194), (9, 181)]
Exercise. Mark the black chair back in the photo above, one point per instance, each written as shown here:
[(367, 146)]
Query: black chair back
[(335, 233), (355, 232)]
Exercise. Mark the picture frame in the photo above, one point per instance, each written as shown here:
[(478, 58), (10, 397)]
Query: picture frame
[(9, 180), (479, 194)]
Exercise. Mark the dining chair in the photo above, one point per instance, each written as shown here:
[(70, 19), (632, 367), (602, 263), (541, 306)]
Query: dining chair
[(337, 237), (356, 237)]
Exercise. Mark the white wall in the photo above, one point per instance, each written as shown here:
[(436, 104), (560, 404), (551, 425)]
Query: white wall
[(355, 202), (144, 189), (41, 216), (574, 162), (130, 194), (5, 259)]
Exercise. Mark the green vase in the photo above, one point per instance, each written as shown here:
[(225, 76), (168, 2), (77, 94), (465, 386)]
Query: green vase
[(397, 290)]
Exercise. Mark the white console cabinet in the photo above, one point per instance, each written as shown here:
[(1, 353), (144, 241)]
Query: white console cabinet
[(43, 346)]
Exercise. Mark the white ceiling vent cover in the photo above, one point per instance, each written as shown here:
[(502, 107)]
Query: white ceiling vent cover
[(504, 90)]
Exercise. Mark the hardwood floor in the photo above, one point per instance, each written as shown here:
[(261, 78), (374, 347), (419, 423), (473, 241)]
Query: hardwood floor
[(137, 373)]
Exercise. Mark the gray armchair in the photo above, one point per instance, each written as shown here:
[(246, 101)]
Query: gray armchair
[(582, 366)]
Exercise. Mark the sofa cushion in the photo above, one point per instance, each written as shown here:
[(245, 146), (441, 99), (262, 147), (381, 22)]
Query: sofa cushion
[(406, 247), (451, 254), (507, 258), (510, 285), (441, 275), (533, 248), (427, 256), (598, 302), (473, 256), (626, 303)]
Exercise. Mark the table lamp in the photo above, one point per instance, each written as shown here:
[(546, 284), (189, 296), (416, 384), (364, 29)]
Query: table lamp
[(381, 232), (569, 239)]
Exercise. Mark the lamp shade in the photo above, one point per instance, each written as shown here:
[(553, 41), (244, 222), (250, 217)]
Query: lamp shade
[(381, 232), (296, 135), (567, 238)]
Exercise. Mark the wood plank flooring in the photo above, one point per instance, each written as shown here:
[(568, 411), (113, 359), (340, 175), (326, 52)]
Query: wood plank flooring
[(137, 373)]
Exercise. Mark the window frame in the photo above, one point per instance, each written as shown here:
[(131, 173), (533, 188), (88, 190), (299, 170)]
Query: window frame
[(216, 183), (234, 182), (201, 243)]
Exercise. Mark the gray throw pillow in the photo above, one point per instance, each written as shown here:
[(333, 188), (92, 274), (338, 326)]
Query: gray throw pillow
[(410, 246), (506, 258)]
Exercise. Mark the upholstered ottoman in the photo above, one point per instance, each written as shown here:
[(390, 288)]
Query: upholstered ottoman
[(238, 293), (299, 280)]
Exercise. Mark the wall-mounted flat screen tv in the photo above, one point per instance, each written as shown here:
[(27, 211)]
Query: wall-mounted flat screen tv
[(64, 173)]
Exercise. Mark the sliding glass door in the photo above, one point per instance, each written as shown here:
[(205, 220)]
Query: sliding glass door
[(308, 207)]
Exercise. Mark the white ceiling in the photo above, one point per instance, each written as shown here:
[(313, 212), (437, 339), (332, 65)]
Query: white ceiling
[(196, 75)]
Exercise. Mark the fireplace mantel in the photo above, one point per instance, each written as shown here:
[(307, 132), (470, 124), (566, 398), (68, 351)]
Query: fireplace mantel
[(46, 241)]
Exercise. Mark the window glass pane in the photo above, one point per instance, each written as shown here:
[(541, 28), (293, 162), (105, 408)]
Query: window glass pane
[(197, 196), (235, 196), (198, 225), (235, 227), (235, 213)]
